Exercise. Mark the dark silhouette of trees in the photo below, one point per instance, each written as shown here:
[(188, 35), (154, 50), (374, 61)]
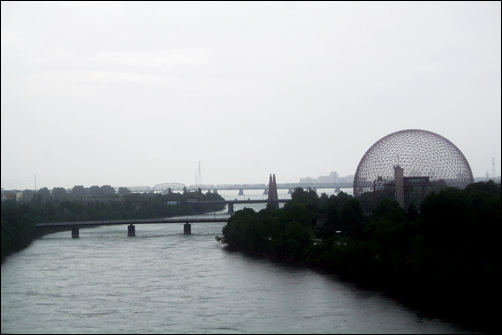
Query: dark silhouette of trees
[(78, 192), (446, 252), (44, 194), (16, 228), (106, 190), (343, 215), (59, 194), (307, 197), (123, 191), (103, 191), (27, 195)]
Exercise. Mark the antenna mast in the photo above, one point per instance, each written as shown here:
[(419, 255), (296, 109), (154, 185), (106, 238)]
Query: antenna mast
[(493, 168), (198, 176)]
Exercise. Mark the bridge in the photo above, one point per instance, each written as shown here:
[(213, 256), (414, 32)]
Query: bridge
[(178, 187), (231, 203), (131, 229)]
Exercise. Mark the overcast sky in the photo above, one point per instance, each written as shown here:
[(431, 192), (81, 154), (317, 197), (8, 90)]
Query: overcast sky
[(137, 93)]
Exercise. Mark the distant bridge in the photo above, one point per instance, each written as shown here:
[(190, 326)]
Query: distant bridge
[(178, 187), (231, 203)]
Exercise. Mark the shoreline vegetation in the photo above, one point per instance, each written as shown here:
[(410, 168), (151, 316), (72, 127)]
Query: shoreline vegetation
[(19, 217), (441, 258)]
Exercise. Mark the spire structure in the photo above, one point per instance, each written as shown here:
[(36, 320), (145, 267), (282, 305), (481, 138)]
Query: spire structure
[(272, 192)]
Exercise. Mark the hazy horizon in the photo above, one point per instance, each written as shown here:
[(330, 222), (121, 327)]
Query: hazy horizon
[(302, 179), (138, 93)]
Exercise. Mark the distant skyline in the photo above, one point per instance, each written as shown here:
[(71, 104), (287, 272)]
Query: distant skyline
[(138, 93)]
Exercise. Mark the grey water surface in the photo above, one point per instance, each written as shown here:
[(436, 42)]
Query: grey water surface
[(162, 281)]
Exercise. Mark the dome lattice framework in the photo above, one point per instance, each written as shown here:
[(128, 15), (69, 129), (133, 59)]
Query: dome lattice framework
[(420, 153)]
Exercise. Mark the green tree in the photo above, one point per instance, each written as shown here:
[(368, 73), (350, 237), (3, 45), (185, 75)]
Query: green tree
[(307, 197), (106, 190), (389, 209), (412, 213), (124, 191), (59, 194), (297, 212), (351, 217), (236, 231), (447, 218), (27, 195), (78, 192), (297, 238), (343, 214), (94, 191), (44, 194)]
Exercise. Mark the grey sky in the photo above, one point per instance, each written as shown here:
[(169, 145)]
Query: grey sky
[(136, 93)]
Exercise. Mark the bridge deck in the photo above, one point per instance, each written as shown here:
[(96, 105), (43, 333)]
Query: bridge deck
[(148, 221), (123, 222)]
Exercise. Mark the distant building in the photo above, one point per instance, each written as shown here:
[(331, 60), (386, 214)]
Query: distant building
[(332, 178), (11, 195)]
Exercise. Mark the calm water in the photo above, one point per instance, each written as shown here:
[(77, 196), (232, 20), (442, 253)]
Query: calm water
[(163, 281)]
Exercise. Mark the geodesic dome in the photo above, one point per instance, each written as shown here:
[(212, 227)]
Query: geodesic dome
[(420, 153)]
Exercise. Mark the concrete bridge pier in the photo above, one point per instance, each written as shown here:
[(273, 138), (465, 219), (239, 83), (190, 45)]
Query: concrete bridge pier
[(131, 230), (241, 191), (265, 191), (187, 228), (74, 232), (230, 208)]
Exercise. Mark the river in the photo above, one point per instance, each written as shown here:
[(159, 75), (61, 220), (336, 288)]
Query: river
[(162, 281)]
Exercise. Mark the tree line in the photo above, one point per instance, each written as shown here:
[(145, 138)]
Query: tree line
[(78, 192), (442, 256), (19, 217)]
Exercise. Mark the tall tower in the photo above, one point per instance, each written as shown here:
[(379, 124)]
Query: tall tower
[(399, 184), (198, 176), (272, 192)]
